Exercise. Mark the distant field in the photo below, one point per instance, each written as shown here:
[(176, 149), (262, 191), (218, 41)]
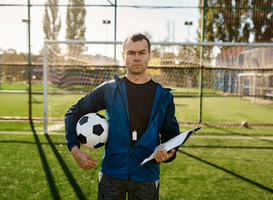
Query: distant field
[(39, 86), (215, 109), (36, 87), (23, 86)]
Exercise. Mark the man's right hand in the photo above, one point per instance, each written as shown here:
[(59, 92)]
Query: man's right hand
[(83, 159)]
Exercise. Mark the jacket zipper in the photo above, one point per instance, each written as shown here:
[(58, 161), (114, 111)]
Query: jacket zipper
[(130, 162), (131, 149)]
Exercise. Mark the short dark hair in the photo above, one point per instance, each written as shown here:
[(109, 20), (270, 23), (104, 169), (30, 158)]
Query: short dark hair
[(136, 37)]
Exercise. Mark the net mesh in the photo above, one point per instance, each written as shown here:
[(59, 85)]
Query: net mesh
[(228, 73), (172, 65)]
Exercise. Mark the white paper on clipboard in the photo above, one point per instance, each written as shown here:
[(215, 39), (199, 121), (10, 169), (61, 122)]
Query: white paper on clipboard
[(172, 143)]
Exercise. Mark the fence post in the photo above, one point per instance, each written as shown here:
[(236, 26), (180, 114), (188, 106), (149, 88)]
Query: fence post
[(45, 85), (201, 63), (30, 68)]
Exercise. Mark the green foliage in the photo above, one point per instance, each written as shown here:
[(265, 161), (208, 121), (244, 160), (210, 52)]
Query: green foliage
[(75, 25), (52, 23), (52, 26), (234, 22)]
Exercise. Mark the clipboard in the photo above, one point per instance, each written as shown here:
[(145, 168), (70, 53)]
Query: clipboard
[(172, 143)]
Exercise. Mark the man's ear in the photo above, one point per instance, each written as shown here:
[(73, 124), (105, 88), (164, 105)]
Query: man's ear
[(150, 55)]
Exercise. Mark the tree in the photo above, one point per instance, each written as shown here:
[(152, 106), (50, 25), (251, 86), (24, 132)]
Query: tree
[(52, 25), (75, 30), (262, 20), (225, 24), (233, 23), (52, 22)]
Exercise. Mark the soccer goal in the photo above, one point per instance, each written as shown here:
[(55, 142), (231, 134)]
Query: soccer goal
[(71, 69)]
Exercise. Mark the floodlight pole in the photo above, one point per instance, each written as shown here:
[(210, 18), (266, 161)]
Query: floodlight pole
[(106, 22), (188, 24)]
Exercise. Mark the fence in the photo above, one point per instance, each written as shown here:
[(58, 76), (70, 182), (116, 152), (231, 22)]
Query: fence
[(215, 84)]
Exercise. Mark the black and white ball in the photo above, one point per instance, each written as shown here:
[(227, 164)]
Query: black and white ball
[(244, 124), (92, 130)]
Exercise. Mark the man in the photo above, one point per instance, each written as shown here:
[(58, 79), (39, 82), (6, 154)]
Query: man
[(140, 113)]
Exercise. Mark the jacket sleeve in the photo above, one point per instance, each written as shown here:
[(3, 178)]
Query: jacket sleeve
[(170, 127), (92, 102)]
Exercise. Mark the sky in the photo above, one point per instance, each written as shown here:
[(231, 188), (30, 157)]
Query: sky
[(13, 31)]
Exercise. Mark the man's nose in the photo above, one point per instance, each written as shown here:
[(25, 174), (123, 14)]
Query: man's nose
[(136, 56)]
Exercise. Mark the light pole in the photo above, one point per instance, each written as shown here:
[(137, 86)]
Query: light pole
[(106, 22), (188, 24)]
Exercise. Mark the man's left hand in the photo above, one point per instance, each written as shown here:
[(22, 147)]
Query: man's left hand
[(162, 155)]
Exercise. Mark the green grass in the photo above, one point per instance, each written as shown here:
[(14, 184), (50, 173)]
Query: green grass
[(40, 167), (24, 86), (215, 109), (57, 104), (223, 110), (181, 90), (220, 169)]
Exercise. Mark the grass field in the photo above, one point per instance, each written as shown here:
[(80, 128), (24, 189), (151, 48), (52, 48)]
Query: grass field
[(215, 109), (38, 166), (215, 163)]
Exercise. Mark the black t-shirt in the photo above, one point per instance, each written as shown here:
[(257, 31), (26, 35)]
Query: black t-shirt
[(135, 95)]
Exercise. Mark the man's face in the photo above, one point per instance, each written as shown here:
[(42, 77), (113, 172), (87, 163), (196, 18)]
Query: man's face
[(136, 56)]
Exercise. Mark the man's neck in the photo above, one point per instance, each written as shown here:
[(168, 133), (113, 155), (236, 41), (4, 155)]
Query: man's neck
[(137, 79)]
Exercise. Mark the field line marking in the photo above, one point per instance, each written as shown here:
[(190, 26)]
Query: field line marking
[(234, 137)]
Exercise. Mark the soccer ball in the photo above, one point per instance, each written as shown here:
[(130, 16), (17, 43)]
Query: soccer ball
[(244, 124), (92, 130)]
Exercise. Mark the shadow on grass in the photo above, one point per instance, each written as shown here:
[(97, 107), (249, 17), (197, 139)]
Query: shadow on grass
[(239, 134), (27, 142), (229, 172), (48, 173), (66, 170), (228, 147), (49, 176)]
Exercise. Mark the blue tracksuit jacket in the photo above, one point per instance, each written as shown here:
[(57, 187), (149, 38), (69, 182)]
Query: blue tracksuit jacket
[(120, 160)]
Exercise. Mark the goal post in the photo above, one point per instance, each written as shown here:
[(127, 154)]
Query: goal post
[(45, 76), (173, 64)]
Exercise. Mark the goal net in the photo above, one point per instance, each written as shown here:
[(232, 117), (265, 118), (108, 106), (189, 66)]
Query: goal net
[(71, 69)]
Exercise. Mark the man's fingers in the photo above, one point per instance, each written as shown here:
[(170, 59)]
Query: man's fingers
[(162, 155), (89, 165), (171, 152), (83, 159), (92, 162)]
